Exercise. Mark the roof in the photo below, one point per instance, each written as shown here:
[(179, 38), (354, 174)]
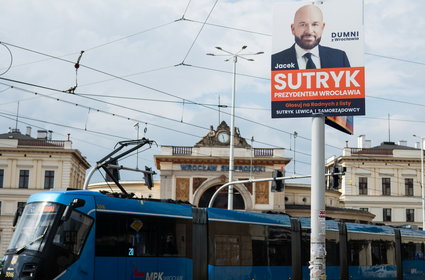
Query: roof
[(15, 134), (393, 146)]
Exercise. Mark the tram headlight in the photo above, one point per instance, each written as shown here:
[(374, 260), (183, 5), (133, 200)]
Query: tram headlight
[(28, 270)]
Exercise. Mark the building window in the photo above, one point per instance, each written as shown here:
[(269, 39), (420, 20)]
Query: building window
[(49, 179), (386, 186), (1, 177), (24, 176), (410, 215), (362, 185), (408, 183), (386, 214)]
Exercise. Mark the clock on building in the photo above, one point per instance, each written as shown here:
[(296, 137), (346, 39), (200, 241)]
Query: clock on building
[(223, 137)]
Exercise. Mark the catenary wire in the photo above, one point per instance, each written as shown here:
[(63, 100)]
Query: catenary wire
[(199, 33)]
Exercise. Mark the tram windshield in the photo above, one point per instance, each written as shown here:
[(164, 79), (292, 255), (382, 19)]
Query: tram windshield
[(37, 219)]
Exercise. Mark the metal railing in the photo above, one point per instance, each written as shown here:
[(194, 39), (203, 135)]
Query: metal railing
[(41, 143), (263, 152), (370, 151), (258, 152), (182, 150)]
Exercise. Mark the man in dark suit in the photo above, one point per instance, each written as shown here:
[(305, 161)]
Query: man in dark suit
[(306, 53)]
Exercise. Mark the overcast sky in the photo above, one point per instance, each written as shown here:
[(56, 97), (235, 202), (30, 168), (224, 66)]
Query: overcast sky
[(145, 61)]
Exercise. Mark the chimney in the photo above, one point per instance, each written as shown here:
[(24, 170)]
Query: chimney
[(28, 133), (402, 143), (360, 141), (42, 134)]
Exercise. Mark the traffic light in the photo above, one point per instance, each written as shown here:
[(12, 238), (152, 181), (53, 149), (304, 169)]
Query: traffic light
[(277, 185), (335, 177), (337, 172), (148, 177), (114, 171)]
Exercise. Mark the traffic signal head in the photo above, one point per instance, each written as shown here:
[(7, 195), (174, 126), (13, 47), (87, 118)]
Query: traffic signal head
[(114, 171), (336, 177), (148, 177), (277, 185)]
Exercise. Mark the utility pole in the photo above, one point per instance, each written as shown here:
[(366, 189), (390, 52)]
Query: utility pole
[(234, 57), (422, 180), (318, 212)]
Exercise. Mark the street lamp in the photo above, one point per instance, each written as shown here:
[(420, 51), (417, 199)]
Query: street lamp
[(422, 180), (234, 57)]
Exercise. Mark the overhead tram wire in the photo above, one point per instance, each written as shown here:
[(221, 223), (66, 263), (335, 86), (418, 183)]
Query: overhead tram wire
[(135, 83), (2, 114), (167, 101), (131, 35), (386, 119), (199, 33), (103, 111), (62, 125), (186, 9), (129, 75), (11, 116), (228, 27), (93, 99), (224, 71), (61, 91), (126, 118), (142, 85), (118, 115), (108, 74)]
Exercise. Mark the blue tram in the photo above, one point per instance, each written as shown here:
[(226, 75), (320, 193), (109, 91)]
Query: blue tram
[(90, 235)]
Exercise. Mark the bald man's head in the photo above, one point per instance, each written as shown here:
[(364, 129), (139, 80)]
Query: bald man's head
[(308, 26)]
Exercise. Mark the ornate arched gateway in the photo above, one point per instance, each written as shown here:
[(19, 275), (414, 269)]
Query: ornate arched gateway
[(193, 174), (242, 198)]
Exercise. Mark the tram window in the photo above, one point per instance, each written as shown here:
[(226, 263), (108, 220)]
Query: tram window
[(359, 252), (140, 236), (383, 252), (247, 244), (109, 235), (413, 250), (172, 239), (72, 234), (365, 249), (305, 247), (227, 250), (279, 240), (332, 248), (259, 252), (254, 245)]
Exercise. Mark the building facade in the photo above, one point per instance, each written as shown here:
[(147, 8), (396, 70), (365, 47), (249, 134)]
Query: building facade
[(384, 180), (29, 165), (194, 173)]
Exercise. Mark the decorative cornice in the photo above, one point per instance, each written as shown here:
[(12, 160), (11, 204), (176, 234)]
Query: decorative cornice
[(219, 161)]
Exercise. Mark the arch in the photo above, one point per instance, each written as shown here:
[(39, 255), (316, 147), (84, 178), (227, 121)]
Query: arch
[(212, 182)]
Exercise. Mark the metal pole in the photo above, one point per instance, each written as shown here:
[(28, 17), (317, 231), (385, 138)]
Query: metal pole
[(422, 183), (318, 222), (232, 138), (422, 179)]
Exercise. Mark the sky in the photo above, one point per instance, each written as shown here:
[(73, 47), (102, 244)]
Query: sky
[(145, 62)]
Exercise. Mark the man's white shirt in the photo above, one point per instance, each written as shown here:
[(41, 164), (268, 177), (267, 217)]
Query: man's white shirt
[(302, 61)]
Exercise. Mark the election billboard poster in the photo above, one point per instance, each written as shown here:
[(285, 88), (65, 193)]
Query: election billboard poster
[(317, 63), (342, 123)]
